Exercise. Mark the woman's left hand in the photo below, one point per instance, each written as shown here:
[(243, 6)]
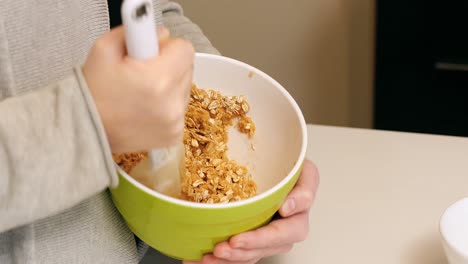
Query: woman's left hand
[(277, 237)]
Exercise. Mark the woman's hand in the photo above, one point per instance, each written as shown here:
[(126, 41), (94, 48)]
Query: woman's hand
[(277, 237), (141, 104)]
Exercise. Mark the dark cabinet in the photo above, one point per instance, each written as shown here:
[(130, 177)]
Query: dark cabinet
[(421, 74)]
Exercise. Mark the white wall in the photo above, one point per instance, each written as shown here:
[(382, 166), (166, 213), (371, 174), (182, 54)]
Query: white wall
[(320, 50)]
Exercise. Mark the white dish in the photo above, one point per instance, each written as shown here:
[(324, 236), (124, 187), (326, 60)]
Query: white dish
[(454, 230)]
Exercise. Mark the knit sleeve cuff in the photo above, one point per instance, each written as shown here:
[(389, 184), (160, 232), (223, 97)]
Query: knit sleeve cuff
[(99, 128)]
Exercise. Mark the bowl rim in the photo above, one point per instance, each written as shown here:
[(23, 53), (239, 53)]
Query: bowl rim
[(255, 198), (442, 226)]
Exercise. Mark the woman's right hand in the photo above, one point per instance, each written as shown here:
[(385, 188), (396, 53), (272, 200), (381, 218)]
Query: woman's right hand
[(142, 104)]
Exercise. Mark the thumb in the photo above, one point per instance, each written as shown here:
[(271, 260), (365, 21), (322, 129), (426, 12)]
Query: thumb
[(112, 44), (302, 196), (176, 56)]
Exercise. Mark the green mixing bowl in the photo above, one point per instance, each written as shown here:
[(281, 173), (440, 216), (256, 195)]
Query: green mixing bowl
[(187, 230)]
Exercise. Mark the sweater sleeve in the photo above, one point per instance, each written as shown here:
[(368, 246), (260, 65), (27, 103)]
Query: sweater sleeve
[(53, 152), (181, 26)]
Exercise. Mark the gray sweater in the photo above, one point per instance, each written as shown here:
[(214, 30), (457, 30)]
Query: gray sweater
[(55, 161)]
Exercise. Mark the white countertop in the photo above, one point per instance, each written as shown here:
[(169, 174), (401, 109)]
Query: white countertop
[(380, 198)]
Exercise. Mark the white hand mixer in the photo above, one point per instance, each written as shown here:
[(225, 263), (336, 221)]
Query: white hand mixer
[(162, 170)]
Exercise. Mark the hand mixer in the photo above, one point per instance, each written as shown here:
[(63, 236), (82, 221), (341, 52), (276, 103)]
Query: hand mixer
[(161, 171)]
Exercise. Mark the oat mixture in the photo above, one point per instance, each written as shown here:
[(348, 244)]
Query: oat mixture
[(128, 161), (210, 176)]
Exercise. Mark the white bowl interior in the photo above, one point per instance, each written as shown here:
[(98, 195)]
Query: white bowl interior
[(280, 127), (454, 227)]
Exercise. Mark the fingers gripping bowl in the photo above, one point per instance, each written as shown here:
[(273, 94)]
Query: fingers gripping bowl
[(187, 230)]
